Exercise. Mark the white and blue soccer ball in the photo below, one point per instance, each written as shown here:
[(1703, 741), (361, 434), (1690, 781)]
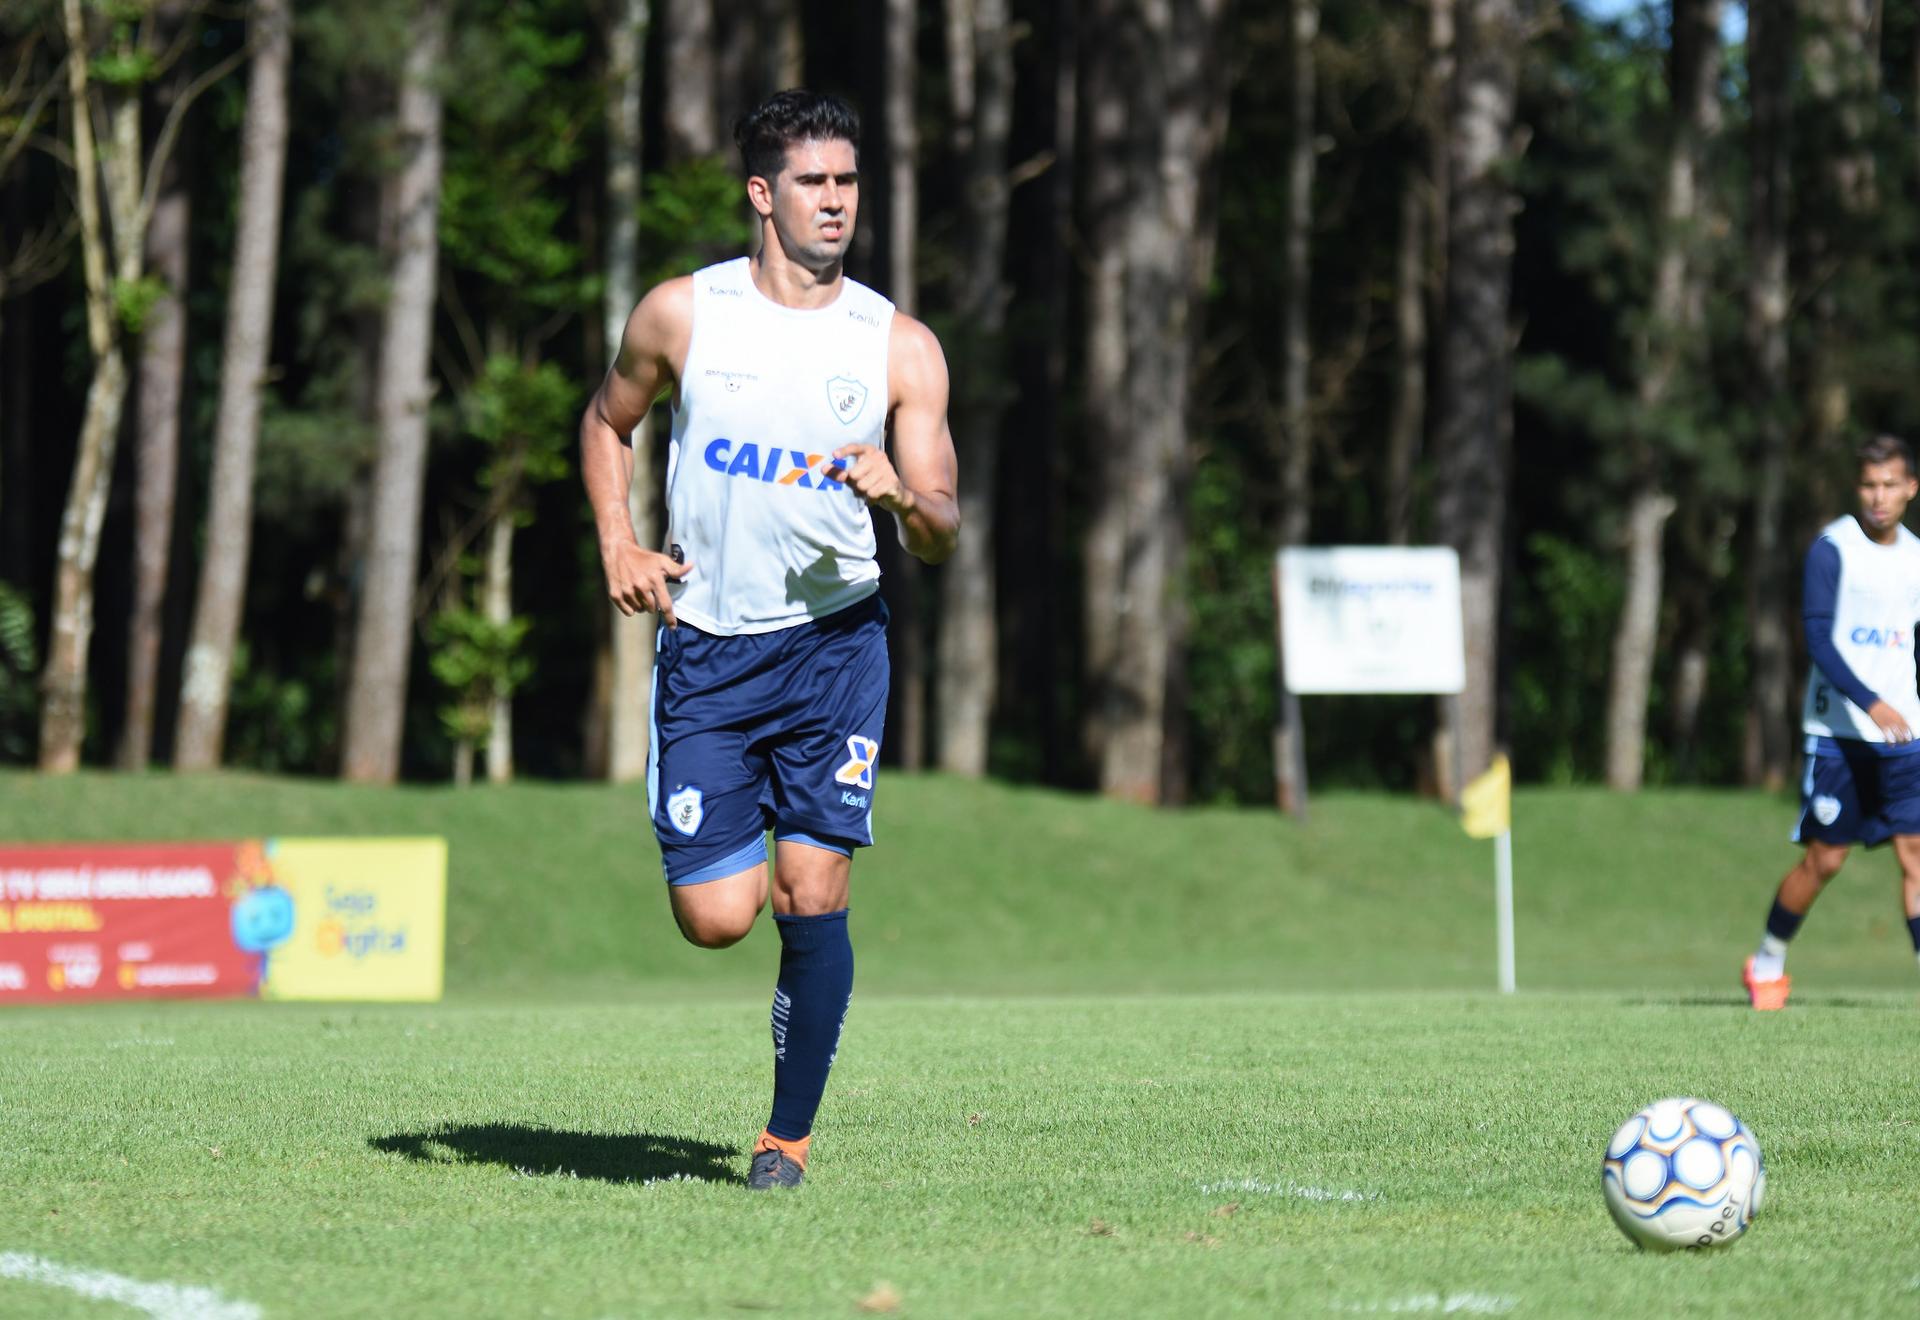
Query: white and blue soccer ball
[(1683, 1173)]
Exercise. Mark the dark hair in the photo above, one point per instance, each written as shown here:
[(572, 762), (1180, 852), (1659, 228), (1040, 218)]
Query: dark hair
[(765, 132), (1884, 449)]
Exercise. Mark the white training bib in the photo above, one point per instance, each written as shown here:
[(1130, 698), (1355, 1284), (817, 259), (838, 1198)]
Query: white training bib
[(767, 394), (1873, 629)]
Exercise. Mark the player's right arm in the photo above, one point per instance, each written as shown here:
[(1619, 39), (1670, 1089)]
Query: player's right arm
[(1820, 593), (653, 349)]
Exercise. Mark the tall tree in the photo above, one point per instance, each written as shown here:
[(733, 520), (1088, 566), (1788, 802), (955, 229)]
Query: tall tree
[(1293, 437), (692, 123), (243, 369), (1839, 56), (1769, 73), (968, 661), (1158, 76), (902, 209), (163, 361), (1422, 218), (1475, 355), (1668, 345), (376, 698), (632, 659), (113, 225)]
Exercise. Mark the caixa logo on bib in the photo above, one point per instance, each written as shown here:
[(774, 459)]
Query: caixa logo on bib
[(685, 811)]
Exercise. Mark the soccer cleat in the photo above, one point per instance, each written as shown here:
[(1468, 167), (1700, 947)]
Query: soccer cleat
[(774, 1168), (1765, 995), (775, 1163)]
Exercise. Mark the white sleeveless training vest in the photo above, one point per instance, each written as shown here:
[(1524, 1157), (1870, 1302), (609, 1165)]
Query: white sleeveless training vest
[(1873, 629), (767, 394)]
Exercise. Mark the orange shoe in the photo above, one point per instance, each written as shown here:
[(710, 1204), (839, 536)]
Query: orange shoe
[(1765, 995)]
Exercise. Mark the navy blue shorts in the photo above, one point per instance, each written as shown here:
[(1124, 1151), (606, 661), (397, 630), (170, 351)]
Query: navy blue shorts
[(776, 730), (1856, 795)]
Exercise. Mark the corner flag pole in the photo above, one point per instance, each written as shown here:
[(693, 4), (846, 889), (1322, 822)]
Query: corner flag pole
[(1486, 812), (1503, 902)]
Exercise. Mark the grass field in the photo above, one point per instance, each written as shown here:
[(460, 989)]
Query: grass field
[(1101, 1061)]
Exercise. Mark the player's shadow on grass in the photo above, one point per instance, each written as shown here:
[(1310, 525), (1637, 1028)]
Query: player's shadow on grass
[(616, 1157)]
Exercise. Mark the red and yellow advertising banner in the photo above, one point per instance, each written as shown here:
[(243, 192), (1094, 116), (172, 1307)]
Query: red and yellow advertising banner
[(273, 918)]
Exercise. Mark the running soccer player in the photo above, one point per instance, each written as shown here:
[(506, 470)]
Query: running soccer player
[(1862, 784), (770, 684)]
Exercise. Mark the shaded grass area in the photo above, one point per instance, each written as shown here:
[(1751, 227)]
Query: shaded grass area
[(1069, 1156), (985, 888)]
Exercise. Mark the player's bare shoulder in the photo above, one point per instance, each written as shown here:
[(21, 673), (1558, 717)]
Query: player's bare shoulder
[(916, 365), (660, 327)]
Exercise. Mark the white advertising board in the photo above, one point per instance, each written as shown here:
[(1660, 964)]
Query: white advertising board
[(1371, 619)]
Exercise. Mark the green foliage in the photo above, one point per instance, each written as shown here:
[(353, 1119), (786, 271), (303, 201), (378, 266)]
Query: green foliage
[(524, 415), (1232, 683), (692, 213), (133, 301), (1566, 602), (477, 661), (19, 668), (518, 115), (279, 723)]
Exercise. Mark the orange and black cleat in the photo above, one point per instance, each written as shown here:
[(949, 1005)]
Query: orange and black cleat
[(777, 1163)]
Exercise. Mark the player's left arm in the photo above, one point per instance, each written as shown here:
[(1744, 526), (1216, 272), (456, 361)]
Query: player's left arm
[(917, 485)]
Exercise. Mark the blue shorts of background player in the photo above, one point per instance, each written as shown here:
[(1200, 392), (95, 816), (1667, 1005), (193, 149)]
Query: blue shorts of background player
[(764, 731), (1855, 792)]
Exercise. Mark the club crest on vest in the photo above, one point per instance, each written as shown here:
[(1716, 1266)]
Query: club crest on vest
[(685, 812), (848, 397)]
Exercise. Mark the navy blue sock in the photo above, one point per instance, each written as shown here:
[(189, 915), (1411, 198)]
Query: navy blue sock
[(809, 1007), (1781, 924), (1913, 929)]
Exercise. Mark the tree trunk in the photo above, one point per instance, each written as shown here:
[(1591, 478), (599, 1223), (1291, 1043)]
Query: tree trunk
[(1769, 717), (1293, 447), (1173, 76), (243, 367), (1104, 82), (1475, 358), (903, 231), (1841, 84), (1666, 346), (968, 648), (1406, 424), (1294, 451), (631, 639), (688, 67), (1634, 638), (63, 710), (498, 603), (376, 701), (163, 361)]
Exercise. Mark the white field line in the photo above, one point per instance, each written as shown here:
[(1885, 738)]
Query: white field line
[(162, 1301), (1259, 1187), (1469, 1303)]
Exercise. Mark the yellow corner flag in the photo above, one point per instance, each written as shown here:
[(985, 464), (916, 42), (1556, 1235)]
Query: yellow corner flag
[(1486, 804)]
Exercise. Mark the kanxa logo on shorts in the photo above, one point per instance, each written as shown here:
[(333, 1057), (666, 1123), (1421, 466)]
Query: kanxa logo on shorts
[(848, 397), (685, 812), (861, 754), (1826, 809)]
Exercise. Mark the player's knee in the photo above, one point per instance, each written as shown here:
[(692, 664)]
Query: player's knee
[(715, 930), (1825, 862)]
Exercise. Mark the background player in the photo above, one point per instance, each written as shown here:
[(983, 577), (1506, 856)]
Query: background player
[(1862, 785), (770, 686)]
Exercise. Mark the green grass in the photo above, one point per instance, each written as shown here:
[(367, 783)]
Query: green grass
[(1081, 1033)]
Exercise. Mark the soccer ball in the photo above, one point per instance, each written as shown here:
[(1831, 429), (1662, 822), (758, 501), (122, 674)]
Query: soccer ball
[(1683, 1173)]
